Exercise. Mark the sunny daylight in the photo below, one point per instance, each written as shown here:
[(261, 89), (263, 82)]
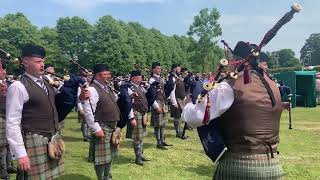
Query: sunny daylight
[(159, 90)]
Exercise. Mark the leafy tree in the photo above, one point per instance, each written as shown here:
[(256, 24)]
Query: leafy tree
[(205, 29), (310, 52)]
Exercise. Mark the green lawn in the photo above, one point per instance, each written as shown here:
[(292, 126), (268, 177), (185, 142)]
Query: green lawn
[(299, 153)]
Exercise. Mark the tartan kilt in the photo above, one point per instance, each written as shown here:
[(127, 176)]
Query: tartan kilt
[(42, 167), (3, 137), (136, 133), (101, 150), (248, 166), (176, 112), (159, 120)]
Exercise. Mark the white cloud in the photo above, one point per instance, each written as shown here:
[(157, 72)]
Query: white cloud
[(88, 4)]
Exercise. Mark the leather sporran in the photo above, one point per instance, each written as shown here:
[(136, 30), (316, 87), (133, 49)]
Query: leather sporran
[(145, 120), (165, 108), (56, 147), (116, 137)]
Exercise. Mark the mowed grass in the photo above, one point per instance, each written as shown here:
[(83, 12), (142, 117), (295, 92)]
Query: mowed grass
[(299, 152)]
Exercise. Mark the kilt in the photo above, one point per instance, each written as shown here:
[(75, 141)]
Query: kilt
[(248, 166), (42, 167), (176, 112), (159, 120), (136, 133), (3, 138), (101, 150)]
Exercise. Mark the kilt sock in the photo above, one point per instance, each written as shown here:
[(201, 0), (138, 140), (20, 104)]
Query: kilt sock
[(177, 122), (102, 171), (3, 166), (158, 135), (162, 138)]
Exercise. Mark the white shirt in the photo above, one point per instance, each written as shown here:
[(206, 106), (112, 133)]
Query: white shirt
[(79, 105), (17, 96), (221, 98), (155, 104), (90, 106)]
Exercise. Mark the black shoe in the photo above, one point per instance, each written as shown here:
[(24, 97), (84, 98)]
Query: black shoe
[(178, 135), (145, 158), (165, 144), (184, 137), (160, 146), (139, 161), (11, 170)]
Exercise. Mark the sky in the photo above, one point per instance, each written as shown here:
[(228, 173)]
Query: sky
[(246, 20)]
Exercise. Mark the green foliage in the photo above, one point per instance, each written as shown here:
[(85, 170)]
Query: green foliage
[(205, 29), (282, 59), (310, 52), (109, 41)]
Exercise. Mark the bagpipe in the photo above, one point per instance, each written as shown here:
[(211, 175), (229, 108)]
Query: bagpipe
[(209, 132)]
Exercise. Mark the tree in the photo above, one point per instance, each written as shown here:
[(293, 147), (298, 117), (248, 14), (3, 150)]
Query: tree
[(310, 52), (206, 29), (74, 36), (283, 58)]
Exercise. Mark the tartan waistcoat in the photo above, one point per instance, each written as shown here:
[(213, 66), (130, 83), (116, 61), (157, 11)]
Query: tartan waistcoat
[(251, 122), (107, 109), (140, 103), (39, 114)]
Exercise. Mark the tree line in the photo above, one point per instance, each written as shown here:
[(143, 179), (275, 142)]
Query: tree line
[(121, 44)]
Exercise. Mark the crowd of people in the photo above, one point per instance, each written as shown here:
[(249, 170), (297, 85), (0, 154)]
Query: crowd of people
[(31, 120)]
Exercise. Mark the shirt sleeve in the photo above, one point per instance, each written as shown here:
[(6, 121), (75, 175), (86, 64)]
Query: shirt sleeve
[(17, 95), (89, 107), (79, 105), (221, 99)]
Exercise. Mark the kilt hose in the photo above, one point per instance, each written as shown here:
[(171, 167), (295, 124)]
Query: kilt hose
[(42, 167), (176, 112), (139, 132), (234, 166), (3, 138), (101, 150), (159, 119)]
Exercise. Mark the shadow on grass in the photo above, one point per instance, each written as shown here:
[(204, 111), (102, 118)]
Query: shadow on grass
[(202, 170), (72, 139), (128, 144), (74, 176), (120, 159)]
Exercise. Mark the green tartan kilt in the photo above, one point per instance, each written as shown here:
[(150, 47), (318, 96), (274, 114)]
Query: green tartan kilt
[(248, 166), (176, 112), (42, 167), (139, 132), (158, 120), (3, 138), (101, 150)]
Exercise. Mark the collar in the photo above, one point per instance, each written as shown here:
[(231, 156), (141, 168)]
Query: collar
[(156, 75), (35, 79), (100, 84)]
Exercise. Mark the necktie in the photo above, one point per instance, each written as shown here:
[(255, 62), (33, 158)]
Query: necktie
[(42, 85)]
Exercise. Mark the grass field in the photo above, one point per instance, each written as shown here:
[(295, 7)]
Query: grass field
[(299, 153)]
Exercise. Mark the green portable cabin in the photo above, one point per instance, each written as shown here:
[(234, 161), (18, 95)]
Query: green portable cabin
[(303, 86)]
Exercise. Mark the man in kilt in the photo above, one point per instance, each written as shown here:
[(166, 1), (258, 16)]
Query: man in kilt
[(249, 124), (84, 126), (32, 119), (159, 108), (177, 98), (137, 116), (102, 114), (3, 139)]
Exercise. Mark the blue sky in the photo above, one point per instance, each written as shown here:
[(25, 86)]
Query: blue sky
[(246, 20)]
